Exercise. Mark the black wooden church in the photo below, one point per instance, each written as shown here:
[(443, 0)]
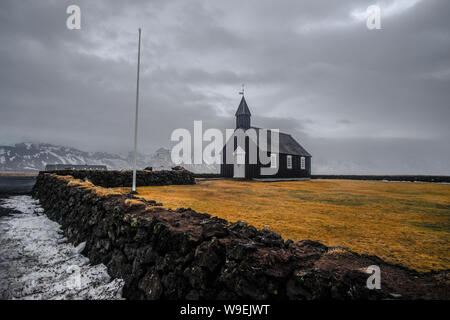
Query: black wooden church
[(293, 160)]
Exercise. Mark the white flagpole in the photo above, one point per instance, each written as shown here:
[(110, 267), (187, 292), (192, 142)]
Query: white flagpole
[(136, 118)]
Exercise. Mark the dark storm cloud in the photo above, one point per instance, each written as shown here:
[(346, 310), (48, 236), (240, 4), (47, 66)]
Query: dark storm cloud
[(311, 68)]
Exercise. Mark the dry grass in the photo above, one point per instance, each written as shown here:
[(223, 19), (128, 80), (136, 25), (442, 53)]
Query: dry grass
[(407, 223), (86, 184), (134, 203)]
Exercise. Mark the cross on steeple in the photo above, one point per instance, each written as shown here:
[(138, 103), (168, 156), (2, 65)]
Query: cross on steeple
[(242, 92)]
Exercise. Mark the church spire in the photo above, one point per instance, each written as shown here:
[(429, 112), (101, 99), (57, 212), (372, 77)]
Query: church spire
[(243, 113), (243, 108)]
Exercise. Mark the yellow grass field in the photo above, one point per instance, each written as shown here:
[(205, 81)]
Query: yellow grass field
[(406, 223)]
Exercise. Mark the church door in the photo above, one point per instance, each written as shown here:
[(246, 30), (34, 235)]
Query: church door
[(239, 163), (239, 171)]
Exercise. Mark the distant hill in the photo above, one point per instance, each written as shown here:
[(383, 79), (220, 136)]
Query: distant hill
[(24, 157), (32, 157)]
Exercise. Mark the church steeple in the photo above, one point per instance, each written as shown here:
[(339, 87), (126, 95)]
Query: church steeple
[(243, 114)]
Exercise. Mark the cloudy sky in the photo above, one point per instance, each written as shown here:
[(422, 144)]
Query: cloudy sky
[(360, 100)]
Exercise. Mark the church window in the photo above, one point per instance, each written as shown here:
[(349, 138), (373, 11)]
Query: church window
[(289, 162)]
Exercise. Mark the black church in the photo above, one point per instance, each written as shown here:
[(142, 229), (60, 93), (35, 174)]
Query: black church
[(292, 160)]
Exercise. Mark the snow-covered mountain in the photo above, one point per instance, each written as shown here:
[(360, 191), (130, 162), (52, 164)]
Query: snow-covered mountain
[(34, 157), (31, 157)]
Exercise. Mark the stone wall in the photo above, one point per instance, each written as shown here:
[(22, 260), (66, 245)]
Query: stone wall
[(182, 254), (111, 179)]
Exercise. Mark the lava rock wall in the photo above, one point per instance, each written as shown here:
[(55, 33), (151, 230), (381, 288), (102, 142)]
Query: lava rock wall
[(114, 178), (182, 254)]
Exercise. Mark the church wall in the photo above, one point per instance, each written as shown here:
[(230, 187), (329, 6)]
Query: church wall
[(254, 170)]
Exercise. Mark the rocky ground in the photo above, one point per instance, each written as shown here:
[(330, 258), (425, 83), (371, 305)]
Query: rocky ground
[(37, 262)]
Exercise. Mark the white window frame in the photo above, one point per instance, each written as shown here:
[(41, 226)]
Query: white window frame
[(302, 163), (273, 160), (289, 162)]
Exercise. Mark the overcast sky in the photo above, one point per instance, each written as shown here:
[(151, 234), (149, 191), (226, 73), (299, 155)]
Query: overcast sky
[(311, 68)]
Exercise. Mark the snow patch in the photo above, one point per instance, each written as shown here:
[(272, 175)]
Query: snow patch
[(61, 159), (37, 262)]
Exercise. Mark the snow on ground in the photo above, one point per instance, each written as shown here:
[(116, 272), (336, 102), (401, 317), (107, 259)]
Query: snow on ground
[(37, 261)]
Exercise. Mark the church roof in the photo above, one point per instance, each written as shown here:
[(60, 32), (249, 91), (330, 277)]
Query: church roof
[(287, 144), (243, 108)]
